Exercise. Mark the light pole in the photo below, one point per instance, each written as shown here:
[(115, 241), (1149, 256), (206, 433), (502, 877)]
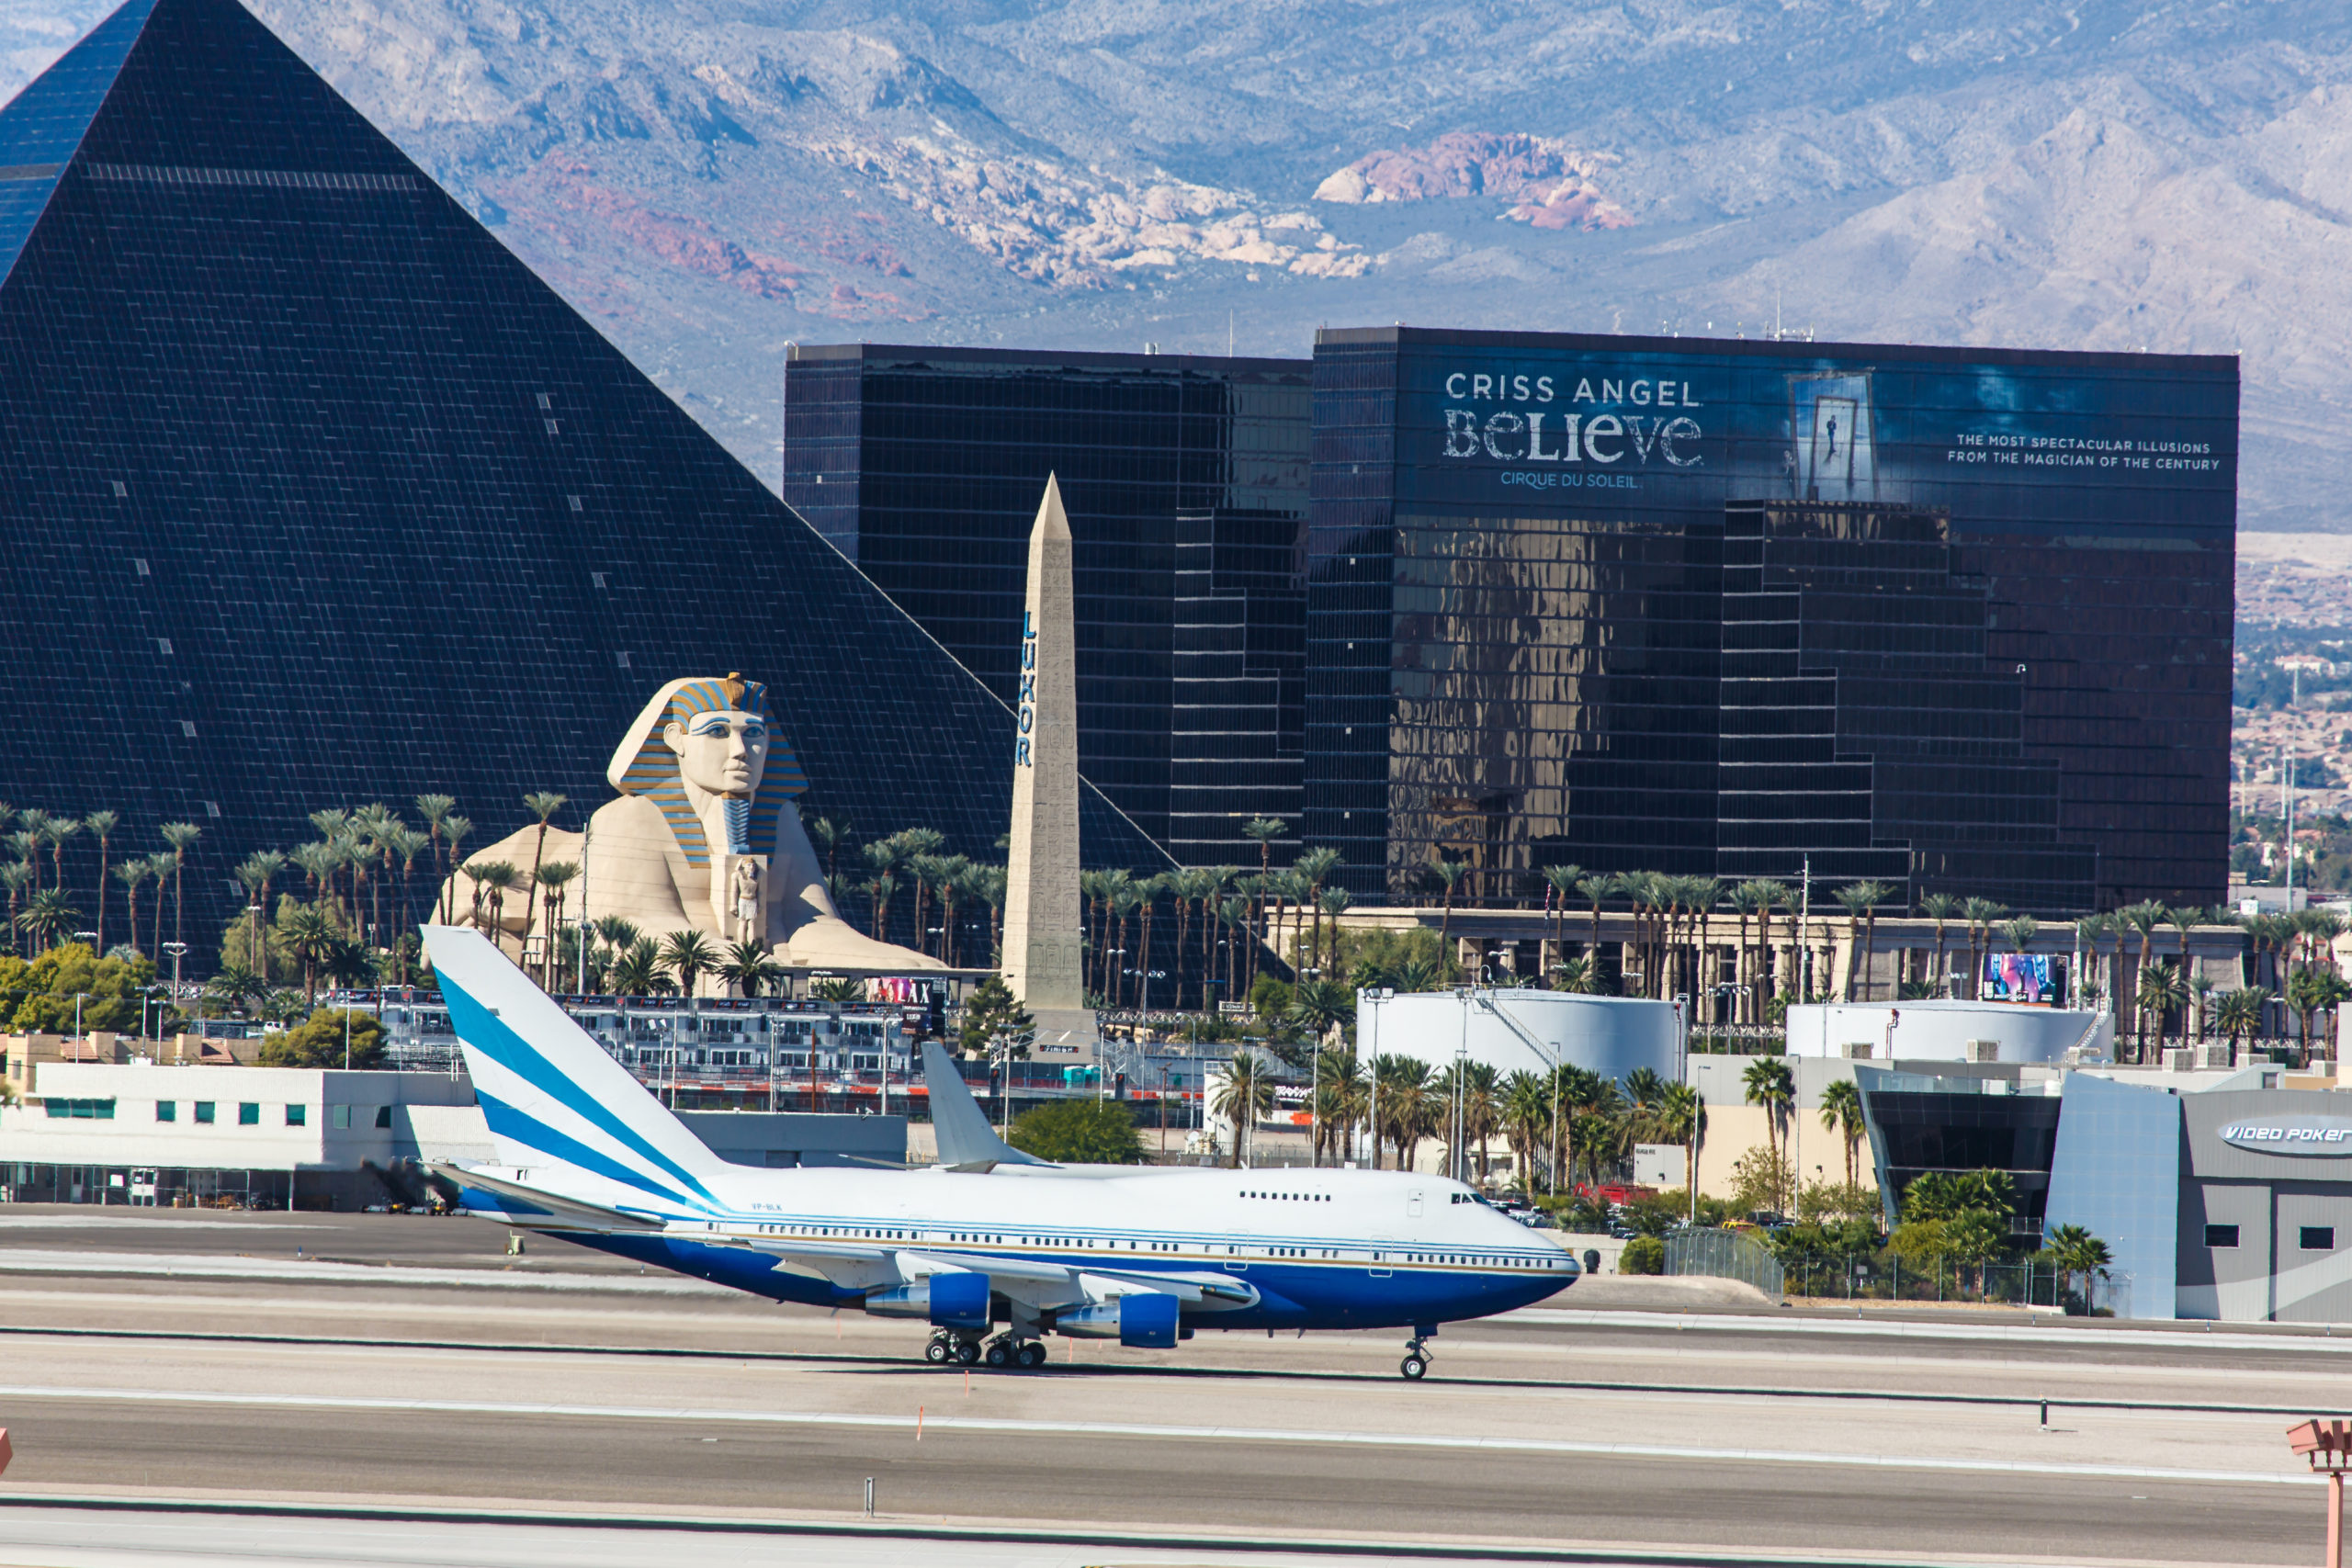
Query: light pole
[(178, 950)]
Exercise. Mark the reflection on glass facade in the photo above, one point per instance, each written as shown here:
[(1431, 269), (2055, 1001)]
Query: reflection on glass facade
[(1185, 481), (313, 495), (1956, 619), (1918, 1122)]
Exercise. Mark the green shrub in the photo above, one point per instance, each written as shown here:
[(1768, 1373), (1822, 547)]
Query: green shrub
[(1643, 1255), (1079, 1132)]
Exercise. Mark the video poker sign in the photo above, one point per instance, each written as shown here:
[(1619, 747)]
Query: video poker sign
[(2291, 1135)]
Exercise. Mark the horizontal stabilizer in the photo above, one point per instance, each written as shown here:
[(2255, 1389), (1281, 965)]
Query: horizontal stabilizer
[(538, 1209), (965, 1139)]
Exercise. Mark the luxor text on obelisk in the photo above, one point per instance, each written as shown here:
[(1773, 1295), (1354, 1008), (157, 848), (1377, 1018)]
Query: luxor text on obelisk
[(1041, 894)]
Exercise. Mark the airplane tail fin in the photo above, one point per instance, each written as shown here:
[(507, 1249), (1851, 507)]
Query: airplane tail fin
[(965, 1136), (555, 1100)]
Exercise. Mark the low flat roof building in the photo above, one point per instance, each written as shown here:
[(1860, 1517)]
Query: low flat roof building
[(274, 1137)]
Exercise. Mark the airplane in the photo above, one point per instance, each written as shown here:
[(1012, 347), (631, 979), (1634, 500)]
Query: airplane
[(990, 1236)]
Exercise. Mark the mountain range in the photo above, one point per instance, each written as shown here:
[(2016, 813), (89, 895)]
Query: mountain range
[(711, 181)]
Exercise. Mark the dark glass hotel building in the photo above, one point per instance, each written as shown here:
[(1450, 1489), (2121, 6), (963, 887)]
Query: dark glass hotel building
[(1957, 619), (1185, 481)]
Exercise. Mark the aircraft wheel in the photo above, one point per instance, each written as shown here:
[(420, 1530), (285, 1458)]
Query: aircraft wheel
[(1415, 1368), (937, 1352), (999, 1355), (967, 1354), (1033, 1356)]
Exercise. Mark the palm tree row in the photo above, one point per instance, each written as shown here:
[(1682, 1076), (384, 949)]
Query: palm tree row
[(42, 910), (1556, 1124)]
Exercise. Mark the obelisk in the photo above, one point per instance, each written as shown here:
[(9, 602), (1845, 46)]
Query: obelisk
[(1041, 899)]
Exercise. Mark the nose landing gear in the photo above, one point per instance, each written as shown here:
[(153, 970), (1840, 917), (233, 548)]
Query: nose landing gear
[(1416, 1364)]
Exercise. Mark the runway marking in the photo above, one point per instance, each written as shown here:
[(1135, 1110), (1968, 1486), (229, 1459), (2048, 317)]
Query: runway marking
[(1007, 1427), (1211, 1550), (1872, 1328), (1286, 1374)]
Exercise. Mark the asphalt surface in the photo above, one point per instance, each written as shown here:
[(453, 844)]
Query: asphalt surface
[(409, 1361)]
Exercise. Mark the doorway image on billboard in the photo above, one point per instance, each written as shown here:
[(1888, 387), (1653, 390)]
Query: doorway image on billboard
[(2016, 977)]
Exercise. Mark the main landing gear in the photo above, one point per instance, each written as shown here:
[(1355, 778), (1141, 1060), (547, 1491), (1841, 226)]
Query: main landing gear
[(1002, 1352)]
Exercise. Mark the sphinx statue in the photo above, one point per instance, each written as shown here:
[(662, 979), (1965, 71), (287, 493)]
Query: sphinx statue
[(703, 837)]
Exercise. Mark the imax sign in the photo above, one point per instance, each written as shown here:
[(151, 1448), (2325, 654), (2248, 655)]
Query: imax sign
[(2291, 1135)]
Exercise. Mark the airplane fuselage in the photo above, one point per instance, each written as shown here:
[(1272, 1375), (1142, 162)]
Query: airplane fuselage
[(1318, 1249)]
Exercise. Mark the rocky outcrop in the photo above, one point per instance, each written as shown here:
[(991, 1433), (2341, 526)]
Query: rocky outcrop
[(1540, 180)]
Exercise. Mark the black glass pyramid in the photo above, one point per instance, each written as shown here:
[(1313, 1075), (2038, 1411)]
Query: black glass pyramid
[(311, 494)]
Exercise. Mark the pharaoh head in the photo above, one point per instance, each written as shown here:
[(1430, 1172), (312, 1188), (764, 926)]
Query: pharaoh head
[(709, 739), (723, 750)]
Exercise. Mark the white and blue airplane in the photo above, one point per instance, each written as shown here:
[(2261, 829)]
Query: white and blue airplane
[(989, 1236)]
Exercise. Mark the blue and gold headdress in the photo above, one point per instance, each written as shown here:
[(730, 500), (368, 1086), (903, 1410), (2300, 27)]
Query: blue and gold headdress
[(645, 765)]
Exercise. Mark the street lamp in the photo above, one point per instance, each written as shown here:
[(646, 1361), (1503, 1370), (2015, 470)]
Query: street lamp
[(178, 950)]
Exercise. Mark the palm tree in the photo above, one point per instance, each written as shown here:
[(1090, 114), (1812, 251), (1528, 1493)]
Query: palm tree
[(990, 882), (1841, 1112), (1315, 865), (1319, 1005), (433, 809), (2142, 918), (405, 844), (1681, 1118), (1860, 899), (542, 803), (492, 881), (2075, 1251), (161, 864), (182, 838), (1559, 881), (829, 836), (1744, 898), (554, 877), (749, 968), (1528, 1114), (1578, 976), (102, 825), (879, 889), (1339, 1102), (1769, 896), (48, 916), (1247, 1094), (2239, 1014), (131, 874), (1981, 915), (1402, 1105), (453, 833), (638, 970), (1770, 1084), (1939, 908), (1595, 889), (17, 878), (1476, 1087), (689, 952), (312, 938), (1449, 872), (57, 832), (32, 832)]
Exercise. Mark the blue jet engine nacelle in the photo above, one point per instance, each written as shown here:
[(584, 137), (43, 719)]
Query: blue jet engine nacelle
[(950, 1301), (1146, 1320)]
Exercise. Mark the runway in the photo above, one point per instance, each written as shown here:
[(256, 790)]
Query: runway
[(406, 1363)]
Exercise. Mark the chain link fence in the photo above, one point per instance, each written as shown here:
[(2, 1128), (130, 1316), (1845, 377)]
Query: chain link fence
[(1726, 1255)]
